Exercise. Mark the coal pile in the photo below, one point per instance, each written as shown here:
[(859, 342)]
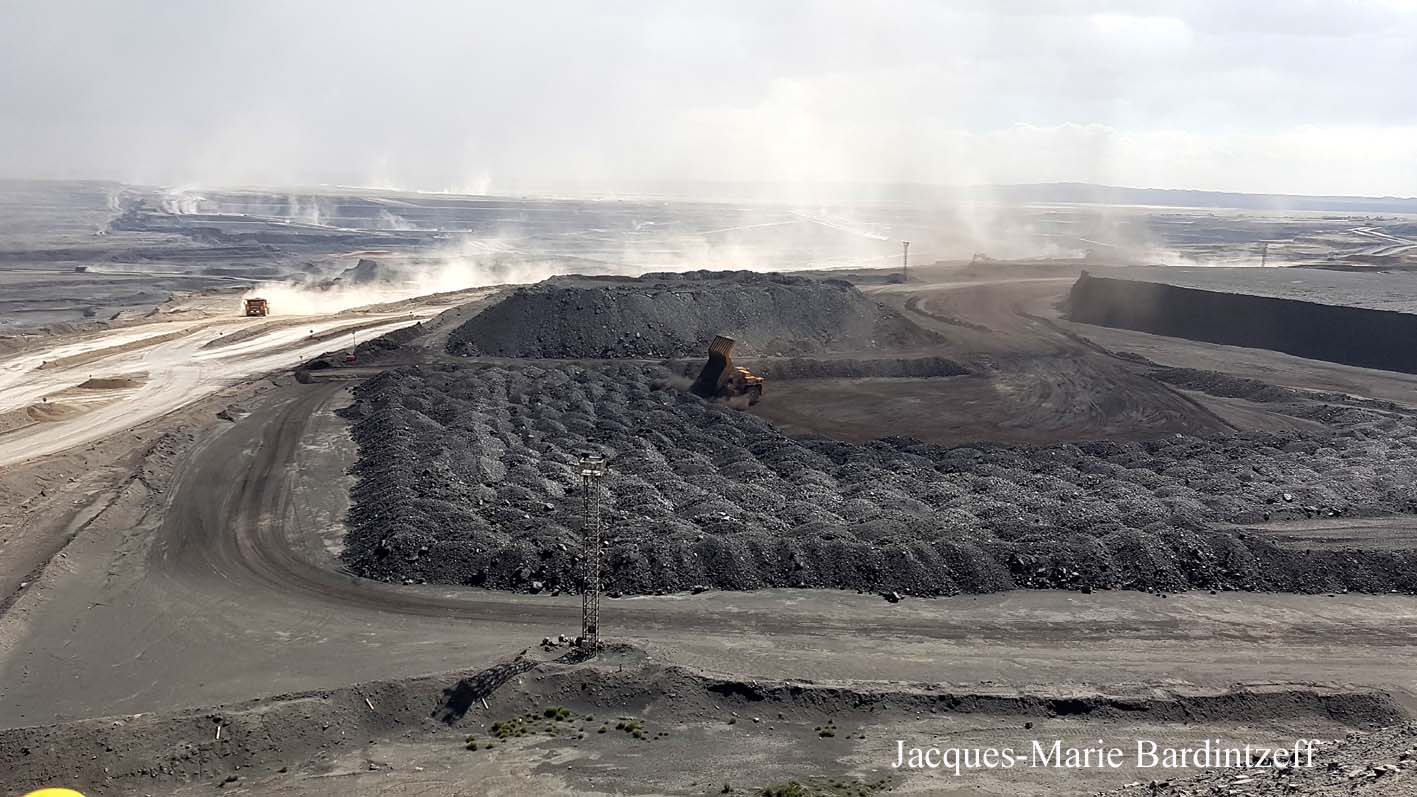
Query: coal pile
[(787, 368), (466, 475), (1227, 385), (676, 315), (854, 368)]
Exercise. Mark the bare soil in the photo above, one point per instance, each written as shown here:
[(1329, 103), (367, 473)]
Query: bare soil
[(569, 716)]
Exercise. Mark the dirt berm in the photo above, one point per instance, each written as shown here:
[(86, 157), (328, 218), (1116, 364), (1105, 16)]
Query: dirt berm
[(676, 315), (260, 740)]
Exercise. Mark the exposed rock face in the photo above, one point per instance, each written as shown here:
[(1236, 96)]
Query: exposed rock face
[(365, 272), (1367, 337)]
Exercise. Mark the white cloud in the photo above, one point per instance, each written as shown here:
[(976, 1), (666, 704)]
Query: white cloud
[(1286, 95)]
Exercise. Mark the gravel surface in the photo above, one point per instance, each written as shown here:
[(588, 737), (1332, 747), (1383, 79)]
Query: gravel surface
[(676, 315), (466, 476), (1380, 762)]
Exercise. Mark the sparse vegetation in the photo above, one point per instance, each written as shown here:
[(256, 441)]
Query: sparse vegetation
[(634, 728), (509, 729)]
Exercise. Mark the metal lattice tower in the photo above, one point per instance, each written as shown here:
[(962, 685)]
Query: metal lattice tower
[(592, 470)]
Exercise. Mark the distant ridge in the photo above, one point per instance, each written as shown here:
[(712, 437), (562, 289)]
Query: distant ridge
[(1019, 193), (711, 191), (1088, 193)]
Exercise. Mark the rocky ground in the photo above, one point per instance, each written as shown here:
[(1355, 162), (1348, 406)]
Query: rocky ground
[(1380, 762), (547, 721), (467, 476), (676, 315)]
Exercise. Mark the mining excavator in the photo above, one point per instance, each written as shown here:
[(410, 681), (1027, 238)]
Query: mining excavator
[(720, 379)]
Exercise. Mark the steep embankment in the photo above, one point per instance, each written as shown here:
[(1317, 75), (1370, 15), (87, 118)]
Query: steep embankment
[(1361, 336)]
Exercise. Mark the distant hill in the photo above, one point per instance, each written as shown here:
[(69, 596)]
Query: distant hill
[(1087, 193), (361, 203), (1027, 193)]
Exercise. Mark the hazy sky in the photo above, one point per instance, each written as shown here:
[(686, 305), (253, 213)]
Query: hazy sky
[(1250, 95)]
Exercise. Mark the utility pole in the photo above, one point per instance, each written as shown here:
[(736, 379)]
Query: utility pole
[(592, 471), (905, 260)]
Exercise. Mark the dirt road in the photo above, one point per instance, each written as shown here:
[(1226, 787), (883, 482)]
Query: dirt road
[(152, 371), (1032, 380), (228, 590), (211, 576)]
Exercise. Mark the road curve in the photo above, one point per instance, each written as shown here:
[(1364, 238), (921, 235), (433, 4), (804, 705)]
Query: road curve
[(174, 367), (231, 593), (236, 521)]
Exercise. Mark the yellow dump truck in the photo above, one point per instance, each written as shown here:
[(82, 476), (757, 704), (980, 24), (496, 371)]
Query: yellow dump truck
[(258, 307), (721, 379)]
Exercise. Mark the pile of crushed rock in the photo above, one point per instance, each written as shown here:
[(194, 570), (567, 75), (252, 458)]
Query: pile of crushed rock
[(1379, 762), (676, 315), (467, 475)]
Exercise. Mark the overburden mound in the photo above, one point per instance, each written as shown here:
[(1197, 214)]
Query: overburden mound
[(676, 315), (467, 475)]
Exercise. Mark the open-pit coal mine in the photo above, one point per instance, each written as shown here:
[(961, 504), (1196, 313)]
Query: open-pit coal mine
[(675, 315), (467, 475), (313, 552)]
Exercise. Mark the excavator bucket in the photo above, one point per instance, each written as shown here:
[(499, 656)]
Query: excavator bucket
[(717, 370)]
